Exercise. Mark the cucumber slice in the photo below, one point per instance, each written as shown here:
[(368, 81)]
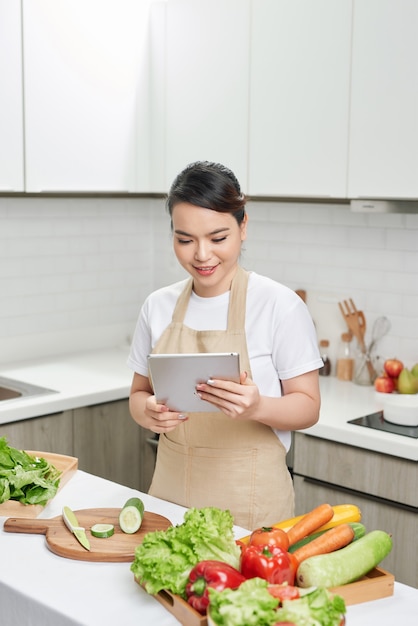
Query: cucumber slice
[(131, 515), (102, 530)]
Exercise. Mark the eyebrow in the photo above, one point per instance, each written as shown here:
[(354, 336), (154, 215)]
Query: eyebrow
[(213, 232)]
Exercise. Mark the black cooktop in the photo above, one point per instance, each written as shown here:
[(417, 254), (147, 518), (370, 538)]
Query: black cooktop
[(376, 421)]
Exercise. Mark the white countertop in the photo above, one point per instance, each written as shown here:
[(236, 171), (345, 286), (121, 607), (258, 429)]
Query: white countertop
[(38, 587), (102, 376), (80, 379)]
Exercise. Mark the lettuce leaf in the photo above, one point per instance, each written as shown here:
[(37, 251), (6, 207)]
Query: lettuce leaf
[(164, 559), (317, 608), (249, 605), (252, 605)]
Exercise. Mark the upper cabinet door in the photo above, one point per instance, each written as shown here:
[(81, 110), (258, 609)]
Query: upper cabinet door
[(384, 100), (11, 116), (299, 103), (207, 84), (86, 95)]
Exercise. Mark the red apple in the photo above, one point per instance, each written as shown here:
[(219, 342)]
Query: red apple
[(384, 384), (393, 367)]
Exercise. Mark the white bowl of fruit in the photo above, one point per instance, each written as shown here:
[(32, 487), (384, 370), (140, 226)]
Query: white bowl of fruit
[(397, 393)]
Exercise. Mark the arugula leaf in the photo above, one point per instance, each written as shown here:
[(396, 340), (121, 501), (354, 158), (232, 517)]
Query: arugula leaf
[(25, 478)]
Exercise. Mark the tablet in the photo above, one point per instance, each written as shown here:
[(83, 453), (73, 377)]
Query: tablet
[(174, 377)]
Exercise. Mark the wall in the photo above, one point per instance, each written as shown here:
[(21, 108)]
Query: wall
[(73, 272)]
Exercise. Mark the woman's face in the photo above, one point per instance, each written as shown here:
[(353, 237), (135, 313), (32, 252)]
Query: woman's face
[(208, 245)]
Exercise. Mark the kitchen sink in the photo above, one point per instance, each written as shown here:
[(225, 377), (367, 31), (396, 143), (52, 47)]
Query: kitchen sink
[(11, 389)]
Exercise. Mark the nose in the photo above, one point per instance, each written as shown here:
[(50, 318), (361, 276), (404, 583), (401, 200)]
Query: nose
[(202, 252)]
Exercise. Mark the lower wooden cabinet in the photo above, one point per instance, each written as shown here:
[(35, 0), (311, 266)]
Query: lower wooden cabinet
[(107, 442), (104, 438), (49, 433), (383, 487)]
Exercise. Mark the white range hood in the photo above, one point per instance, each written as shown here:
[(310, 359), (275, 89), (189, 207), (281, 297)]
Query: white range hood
[(367, 205)]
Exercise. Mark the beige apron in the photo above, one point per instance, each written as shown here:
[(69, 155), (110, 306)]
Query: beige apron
[(211, 459)]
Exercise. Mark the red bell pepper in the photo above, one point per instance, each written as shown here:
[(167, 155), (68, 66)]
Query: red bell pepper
[(215, 574), (268, 562)]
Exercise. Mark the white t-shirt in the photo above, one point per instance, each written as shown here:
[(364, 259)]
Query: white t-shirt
[(281, 337)]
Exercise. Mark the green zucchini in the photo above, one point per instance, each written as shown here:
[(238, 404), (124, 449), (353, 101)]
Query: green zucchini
[(358, 528), (347, 564)]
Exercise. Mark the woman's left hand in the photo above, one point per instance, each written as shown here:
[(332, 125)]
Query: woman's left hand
[(238, 400)]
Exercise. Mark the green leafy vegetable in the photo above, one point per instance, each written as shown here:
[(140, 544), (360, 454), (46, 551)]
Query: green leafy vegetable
[(249, 605), (164, 559), (318, 608), (27, 479), (252, 605)]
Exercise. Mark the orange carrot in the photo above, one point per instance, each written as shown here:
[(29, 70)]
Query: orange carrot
[(332, 539), (310, 523)]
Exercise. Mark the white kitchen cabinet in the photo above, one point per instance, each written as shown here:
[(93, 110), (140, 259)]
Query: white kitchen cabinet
[(384, 100), (207, 84), (299, 97), (11, 113), (86, 95)]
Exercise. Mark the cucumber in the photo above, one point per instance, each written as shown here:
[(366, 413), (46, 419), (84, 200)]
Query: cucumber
[(358, 528), (347, 564), (131, 515), (102, 530)]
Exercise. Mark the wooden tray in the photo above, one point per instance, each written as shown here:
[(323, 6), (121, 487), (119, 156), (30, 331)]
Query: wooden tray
[(118, 548), (67, 465), (377, 584)]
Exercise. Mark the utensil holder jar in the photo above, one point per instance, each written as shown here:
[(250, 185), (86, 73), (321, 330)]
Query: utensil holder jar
[(362, 371)]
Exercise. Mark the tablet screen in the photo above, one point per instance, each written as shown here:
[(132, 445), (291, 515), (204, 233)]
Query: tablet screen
[(174, 377)]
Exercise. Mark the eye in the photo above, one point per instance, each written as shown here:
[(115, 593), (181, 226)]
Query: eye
[(183, 241), (219, 239)]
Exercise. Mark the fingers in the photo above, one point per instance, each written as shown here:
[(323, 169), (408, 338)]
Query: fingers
[(162, 419), (234, 399)]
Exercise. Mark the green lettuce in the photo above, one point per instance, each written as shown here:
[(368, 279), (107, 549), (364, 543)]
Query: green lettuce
[(165, 558), (318, 608), (249, 605), (252, 605), (25, 478)]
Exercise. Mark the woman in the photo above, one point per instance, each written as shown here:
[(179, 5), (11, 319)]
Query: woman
[(234, 458)]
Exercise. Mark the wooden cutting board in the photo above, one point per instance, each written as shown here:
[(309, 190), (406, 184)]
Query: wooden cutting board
[(118, 548)]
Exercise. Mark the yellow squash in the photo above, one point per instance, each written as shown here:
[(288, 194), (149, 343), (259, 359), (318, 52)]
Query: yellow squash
[(343, 514)]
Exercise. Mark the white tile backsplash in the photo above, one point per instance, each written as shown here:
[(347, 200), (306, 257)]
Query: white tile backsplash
[(74, 271)]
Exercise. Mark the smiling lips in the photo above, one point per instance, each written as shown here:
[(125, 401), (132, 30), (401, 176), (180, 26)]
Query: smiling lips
[(205, 271)]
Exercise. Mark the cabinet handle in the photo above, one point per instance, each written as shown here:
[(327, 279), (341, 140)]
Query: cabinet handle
[(153, 442), (360, 494)]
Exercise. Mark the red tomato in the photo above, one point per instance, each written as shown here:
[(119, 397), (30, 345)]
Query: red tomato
[(384, 384), (284, 592), (393, 367), (270, 536)]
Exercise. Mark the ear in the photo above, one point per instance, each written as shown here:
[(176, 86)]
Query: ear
[(243, 227)]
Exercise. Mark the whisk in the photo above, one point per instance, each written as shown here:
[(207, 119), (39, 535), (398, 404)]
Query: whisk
[(381, 327)]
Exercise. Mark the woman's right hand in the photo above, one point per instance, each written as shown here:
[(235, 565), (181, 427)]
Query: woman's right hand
[(160, 418)]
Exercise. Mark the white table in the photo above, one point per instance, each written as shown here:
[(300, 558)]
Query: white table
[(38, 588)]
